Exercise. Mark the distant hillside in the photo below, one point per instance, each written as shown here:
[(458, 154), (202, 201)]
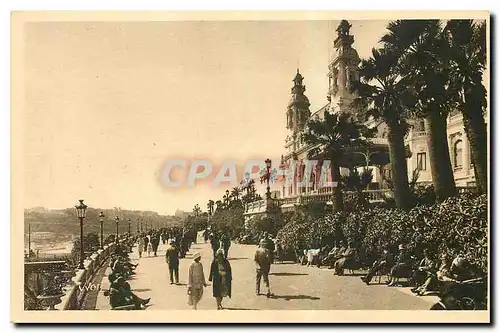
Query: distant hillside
[(65, 222)]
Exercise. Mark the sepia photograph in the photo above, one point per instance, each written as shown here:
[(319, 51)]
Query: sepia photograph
[(252, 167)]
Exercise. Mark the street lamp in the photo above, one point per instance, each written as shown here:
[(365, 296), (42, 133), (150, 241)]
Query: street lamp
[(268, 176), (101, 219), (117, 219), (129, 222), (80, 213)]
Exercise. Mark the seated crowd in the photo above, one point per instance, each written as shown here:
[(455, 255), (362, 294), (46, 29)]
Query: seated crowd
[(120, 269), (422, 271)]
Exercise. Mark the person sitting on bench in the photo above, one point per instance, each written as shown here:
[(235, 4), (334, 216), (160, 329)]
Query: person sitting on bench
[(334, 255), (121, 295), (382, 263), (348, 255)]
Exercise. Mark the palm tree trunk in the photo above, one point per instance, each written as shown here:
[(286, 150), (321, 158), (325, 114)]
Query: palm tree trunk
[(475, 128), (338, 200), (439, 156), (399, 169)]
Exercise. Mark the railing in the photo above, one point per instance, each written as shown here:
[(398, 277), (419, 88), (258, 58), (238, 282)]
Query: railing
[(323, 195), (418, 134), (466, 189), (288, 201), (76, 291), (256, 205)]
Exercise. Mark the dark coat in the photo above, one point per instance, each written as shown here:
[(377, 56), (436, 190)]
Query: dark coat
[(216, 278)]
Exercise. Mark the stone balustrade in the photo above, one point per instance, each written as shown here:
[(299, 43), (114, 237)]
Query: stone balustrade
[(74, 293), (320, 195), (255, 206), (76, 290)]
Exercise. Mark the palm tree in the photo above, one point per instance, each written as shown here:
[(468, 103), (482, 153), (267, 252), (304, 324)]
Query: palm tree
[(332, 138), (235, 193), (422, 60), (219, 205), (196, 210), (467, 41), (210, 206), (383, 93)]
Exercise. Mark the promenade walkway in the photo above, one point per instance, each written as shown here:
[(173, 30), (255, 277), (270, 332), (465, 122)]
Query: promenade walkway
[(295, 287)]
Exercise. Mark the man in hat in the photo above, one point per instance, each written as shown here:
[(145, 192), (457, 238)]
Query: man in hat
[(403, 267), (172, 259), (120, 294), (263, 261), (383, 263), (268, 244)]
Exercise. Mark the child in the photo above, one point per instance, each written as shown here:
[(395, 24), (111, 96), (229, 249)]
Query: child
[(150, 249)]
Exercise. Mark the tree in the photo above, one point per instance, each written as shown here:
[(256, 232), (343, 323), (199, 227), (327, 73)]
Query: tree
[(383, 93), (332, 138), (210, 207), (235, 193), (467, 41), (196, 210), (422, 51)]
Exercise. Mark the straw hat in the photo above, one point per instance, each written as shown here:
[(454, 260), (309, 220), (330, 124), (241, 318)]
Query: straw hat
[(196, 255)]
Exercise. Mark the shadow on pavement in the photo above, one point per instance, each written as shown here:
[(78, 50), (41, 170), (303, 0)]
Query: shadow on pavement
[(287, 274), (139, 290), (238, 309), (237, 258), (290, 297)]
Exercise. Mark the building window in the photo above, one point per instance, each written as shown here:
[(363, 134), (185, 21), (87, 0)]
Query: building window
[(457, 154), (421, 161)]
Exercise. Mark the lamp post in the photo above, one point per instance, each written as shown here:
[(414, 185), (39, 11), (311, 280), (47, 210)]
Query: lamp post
[(80, 213), (268, 176), (101, 219), (117, 220), (129, 223)]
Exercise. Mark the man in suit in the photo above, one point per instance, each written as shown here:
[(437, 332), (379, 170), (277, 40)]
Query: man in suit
[(382, 263), (262, 261), (172, 259)]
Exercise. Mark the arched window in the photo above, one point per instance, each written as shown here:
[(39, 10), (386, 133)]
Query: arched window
[(457, 154)]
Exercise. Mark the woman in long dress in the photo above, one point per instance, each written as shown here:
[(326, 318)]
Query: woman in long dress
[(196, 281), (221, 277)]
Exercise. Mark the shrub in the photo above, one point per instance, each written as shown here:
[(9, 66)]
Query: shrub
[(456, 225)]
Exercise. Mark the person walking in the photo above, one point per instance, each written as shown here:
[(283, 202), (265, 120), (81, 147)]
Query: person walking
[(214, 243), (146, 241), (155, 242), (150, 247), (140, 245), (172, 259), (262, 261), (221, 277), (196, 281), (225, 244)]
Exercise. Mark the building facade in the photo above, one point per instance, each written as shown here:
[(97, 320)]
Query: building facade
[(342, 69)]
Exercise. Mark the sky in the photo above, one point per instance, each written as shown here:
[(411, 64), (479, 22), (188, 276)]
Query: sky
[(107, 104)]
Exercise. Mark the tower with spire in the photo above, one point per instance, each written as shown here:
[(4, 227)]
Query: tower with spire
[(342, 70), (298, 108)]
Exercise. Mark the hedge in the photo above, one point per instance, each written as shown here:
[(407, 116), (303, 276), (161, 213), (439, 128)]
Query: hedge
[(456, 225)]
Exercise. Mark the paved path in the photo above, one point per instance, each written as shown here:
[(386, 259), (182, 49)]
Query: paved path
[(295, 287)]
